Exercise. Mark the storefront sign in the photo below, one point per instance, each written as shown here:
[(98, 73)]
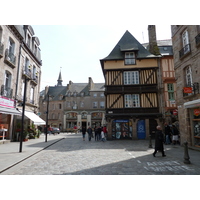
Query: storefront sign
[(9, 103), (196, 112), (187, 90)]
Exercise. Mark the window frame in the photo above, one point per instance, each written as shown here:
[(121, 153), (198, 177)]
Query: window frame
[(130, 97), (170, 89), (129, 59), (131, 77)]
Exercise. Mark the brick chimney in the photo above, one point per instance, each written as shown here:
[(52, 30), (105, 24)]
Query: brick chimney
[(153, 47)]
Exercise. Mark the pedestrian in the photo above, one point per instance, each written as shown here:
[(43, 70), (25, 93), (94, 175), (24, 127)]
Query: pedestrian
[(105, 131), (102, 136), (83, 132), (175, 134), (167, 134), (159, 140), (99, 133), (96, 133), (89, 131)]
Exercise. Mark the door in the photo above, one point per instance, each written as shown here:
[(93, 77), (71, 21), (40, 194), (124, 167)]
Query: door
[(141, 130)]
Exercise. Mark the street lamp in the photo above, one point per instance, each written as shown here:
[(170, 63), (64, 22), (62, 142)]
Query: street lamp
[(23, 109), (47, 117)]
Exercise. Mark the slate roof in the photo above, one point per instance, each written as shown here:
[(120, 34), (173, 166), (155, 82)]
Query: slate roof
[(165, 47), (128, 43)]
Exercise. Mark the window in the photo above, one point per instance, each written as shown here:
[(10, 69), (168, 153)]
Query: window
[(81, 104), (188, 74), (185, 40), (32, 96), (95, 95), (170, 88), (7, 92), (102, 103), (11, 49), (26, 64), (60, 106), (68, 103), (131, 77), (130, 58), (102, 95), (94, 104), (29, 41), (132, 100)]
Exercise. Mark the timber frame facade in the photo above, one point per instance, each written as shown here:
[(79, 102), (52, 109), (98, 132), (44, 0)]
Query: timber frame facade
[(131, 90)]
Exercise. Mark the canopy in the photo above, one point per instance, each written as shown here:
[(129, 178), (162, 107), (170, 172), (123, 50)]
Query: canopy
[(192, 104), (35, 118), (9, 111)]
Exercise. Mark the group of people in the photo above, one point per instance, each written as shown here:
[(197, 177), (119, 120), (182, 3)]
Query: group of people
[(100, 133), (161, 138), (171, 134)]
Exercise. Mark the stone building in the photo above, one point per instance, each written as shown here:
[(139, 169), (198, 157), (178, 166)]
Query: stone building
[(186, 48), (74, 105), (20, 63)]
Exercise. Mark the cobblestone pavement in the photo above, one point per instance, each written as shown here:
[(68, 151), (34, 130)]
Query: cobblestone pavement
[(72, 156)]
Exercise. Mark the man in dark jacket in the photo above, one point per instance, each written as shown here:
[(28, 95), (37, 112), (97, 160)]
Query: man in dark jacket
[(89, 130), (159, 140)]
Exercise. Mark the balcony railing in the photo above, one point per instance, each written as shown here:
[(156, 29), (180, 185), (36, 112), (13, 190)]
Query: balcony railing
[(185, 50), (10, 58), (195, 89), (197, 39), (27, 72), (6, 91), (1, 50)]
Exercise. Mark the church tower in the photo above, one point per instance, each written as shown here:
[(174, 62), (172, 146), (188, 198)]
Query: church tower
[(59, 80)]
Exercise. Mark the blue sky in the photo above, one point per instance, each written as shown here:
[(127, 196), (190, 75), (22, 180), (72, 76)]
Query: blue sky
[(77, 49)]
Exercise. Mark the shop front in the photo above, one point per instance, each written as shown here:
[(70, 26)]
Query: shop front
[(121, 129), (194, 114), (7, 110)]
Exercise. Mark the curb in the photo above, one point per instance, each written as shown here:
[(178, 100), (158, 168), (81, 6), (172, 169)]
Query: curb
[(31, 155)]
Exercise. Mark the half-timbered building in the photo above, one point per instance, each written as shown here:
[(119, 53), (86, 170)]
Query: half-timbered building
[(131, 90)]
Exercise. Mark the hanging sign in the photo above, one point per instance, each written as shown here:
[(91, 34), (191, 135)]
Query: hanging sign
[(196, 112), (187, 90), (175, 112)]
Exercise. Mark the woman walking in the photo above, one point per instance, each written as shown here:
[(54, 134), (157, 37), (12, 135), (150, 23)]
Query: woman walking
[(159, 140)]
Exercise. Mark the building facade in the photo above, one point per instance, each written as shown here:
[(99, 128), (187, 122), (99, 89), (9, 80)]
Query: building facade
[(20, 63), (132, 87), (168, 82), (186, 48), (74, 105)]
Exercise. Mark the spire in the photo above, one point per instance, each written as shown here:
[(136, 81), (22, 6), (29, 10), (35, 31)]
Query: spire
[(59, 79)]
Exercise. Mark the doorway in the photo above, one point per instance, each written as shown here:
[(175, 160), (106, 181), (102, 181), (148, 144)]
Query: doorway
[(141, 129)]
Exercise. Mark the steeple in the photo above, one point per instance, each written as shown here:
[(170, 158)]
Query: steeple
[(59, 79)]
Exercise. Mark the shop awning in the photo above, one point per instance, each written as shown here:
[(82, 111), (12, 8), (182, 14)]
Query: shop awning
[(35, 118), (192, 104), (9, 111)]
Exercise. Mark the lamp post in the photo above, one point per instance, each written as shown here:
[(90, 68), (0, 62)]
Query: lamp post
[(23, 109), (47, 117)]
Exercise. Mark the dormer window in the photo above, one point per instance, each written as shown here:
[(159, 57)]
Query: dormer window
[(129, 58)]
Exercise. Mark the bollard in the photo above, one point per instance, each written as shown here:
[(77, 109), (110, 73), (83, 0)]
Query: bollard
[(150, 143), (186, 155)]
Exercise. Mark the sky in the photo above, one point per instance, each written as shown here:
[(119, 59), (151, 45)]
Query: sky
[(76, 50)]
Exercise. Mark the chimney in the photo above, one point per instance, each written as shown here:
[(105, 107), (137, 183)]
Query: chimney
[(91, 84), (153, 47)]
